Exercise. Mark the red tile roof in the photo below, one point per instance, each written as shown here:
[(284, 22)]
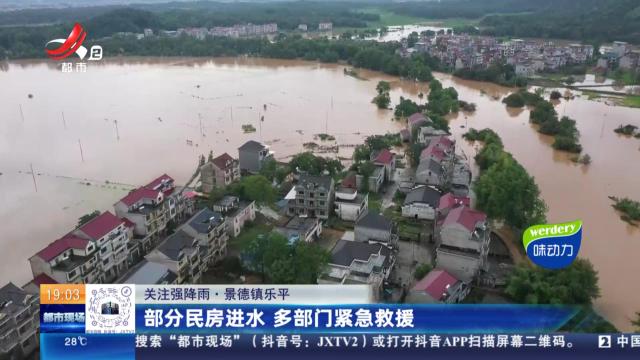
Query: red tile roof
[(61, 245), (223, 161), (445, 141), (350, 181), (149, 191), (138, 194), (43, 279), (449, 200), (101, 225), (435, 283), (384, 157), (432, 151), (416, 119), (464, 216), (128, 223), (155, 184)]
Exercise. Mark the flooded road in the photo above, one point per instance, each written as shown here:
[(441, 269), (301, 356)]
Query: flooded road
[(399, 32), (162, 105)]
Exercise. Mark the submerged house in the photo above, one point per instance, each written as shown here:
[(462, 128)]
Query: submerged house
[(463, 239), (374, 227), (252, 155), (438, 287), (354, 262), (421, 203), (301, 229), (349, 205), (313, 197), (219, 172)]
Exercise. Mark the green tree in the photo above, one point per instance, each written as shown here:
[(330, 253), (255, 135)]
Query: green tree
[(575, 285), (281, 271), (264, 250), (382, 100), (365, 169), (406, 108), (412, 39), (216, 195), (422, 270), (514, 100), (506, 191), (414, 152), (282, 263), (269, 169), (315, 165), (383, 87), (543, 113), (489, 155), (309, 261), (259, 189), (361, 153), (379, 142), (88, 217)]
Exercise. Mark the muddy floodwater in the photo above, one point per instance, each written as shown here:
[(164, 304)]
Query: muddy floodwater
[(127, 121)]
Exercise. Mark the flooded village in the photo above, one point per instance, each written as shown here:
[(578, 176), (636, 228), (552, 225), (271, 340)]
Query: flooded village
[(108, 151)]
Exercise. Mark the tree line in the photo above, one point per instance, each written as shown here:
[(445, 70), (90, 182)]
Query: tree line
[(170, 16), (586, 20), (566, 135)]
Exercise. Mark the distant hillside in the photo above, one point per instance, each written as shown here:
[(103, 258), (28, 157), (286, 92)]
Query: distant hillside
[(595, 20), (590, 20)]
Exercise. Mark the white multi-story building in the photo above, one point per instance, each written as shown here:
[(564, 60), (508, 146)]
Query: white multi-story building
[(354, 262), (325, 26), (236, 212), (95, 252), (150, 208), (349, 205), (19, 322), (463, 243), (199, 243)]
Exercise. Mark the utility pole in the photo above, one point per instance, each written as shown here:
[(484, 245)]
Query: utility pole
[(64, 122), (33, 175), (326, 123), (260, 124), (81, 154), (21, 113), (115, 122)]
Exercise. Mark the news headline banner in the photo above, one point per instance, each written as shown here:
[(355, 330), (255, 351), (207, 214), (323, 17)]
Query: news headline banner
[(128, 309), (348, 318), (254, 294)]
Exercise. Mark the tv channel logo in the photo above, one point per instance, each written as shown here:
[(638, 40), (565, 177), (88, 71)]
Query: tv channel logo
[(73, 44)]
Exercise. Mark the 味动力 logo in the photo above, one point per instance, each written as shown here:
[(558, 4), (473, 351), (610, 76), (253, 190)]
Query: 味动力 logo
[(553, 246)]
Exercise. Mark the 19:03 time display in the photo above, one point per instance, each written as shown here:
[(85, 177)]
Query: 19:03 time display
[(64, 295)]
